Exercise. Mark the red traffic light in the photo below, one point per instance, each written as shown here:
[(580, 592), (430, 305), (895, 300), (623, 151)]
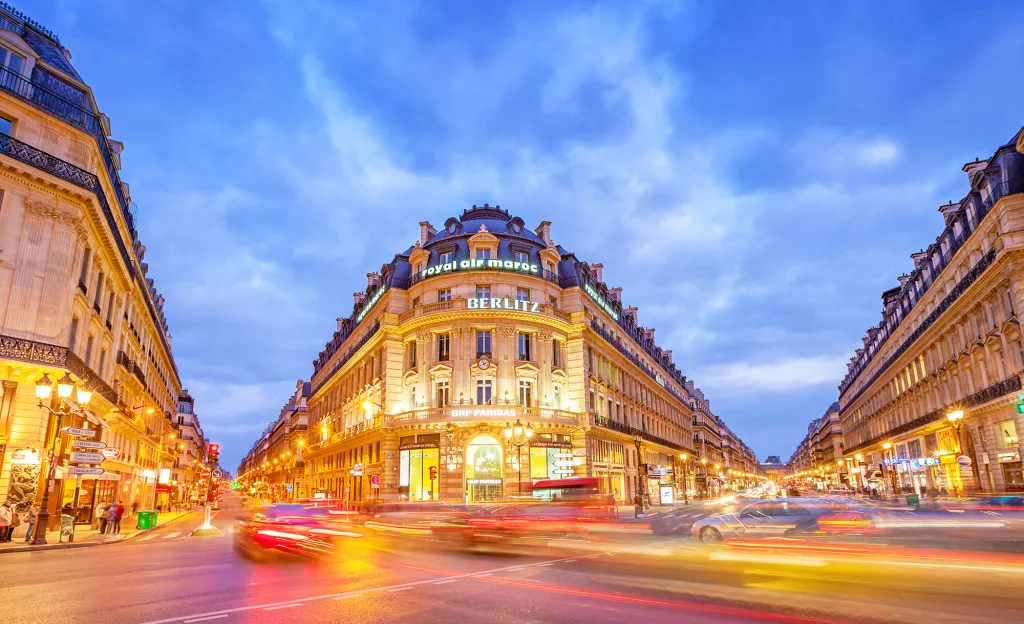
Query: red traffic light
[(433, 472), (214, 449)]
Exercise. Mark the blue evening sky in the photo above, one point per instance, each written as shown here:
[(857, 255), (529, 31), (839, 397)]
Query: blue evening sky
[(753, 174)]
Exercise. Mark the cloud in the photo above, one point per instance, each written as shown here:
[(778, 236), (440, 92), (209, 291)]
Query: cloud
[(782, 375)]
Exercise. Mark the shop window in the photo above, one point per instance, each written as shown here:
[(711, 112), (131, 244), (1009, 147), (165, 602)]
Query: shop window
[(483, 458), (483, 391), (414, 479), (1006, 433)]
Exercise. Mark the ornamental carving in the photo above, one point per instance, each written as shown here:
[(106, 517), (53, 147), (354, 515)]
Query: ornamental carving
[(543, 336), (505, 331), (42, 211)]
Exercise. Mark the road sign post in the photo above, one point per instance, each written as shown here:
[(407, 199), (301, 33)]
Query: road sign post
[(85, 457)]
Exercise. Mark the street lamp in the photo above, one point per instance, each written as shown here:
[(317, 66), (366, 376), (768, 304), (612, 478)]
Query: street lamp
[(686, 481), (638, 441), (44, 388), (519, 436), (955, 418), (704, 473)]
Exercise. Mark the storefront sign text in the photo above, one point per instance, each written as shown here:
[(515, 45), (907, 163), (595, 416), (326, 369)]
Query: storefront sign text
[(372, 301), (600, 301), (497, 303), (484, 412), (480, 264)]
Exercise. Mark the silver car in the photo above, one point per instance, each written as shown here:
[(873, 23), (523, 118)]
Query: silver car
[(767, 517)]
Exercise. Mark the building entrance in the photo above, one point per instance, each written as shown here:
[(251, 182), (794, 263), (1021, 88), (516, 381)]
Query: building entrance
[(483, 463)]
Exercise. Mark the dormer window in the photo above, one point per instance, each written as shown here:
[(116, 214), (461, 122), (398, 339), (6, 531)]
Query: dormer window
[(483, 254), (13, 64)]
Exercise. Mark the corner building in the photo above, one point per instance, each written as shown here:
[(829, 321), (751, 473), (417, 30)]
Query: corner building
[(479, 326)]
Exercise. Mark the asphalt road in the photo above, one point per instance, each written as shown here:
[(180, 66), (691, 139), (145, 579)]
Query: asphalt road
[(168, 576)]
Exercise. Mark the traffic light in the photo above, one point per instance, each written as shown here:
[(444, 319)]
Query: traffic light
[(433, 472), (214, 452)]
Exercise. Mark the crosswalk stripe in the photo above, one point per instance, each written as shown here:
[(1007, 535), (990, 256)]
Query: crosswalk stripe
[(174, 534), (146, 537)]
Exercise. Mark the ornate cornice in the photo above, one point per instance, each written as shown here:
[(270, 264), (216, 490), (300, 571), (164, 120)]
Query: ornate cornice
[(43, 211)]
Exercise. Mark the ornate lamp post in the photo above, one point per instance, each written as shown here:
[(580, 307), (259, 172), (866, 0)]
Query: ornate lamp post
[(44, 388), (704, 473), (956, 418), (638, 441), (686, 481), (519, 436)]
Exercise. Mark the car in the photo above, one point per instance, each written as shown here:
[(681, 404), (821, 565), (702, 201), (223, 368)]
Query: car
[(288, 531), (781, 516)]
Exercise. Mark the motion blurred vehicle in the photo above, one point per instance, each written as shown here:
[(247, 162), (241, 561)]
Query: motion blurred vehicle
[(784, 516), (289, 531)]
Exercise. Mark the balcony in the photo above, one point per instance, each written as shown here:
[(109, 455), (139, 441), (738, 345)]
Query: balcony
[(537, 416), (614, 425), (460, 304)]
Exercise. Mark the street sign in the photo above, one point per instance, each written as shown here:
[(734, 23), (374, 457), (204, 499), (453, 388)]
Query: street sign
[(963, 460), (88, 444), (347, 490), (83, 457), (85, 433), (216, 473), (82, 470), (205, 474), (111, 453), (374, 479)]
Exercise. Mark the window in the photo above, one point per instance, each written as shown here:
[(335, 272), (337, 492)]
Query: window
[(483, 291), (88, 351), (73, 334), (557, 389), (443, 393), (85, 265), (414, 480), (110, 306), (444, 342), (103, 360), (444, 295), (524, 346), (553, 301), (412, 397), (6, 126), (483, 343), (447, 257), (521, 256), (522, 294), (99, 289), (556, 353), (549, 269), (483, 391), (526, 392), (13, 63), (483, 254), (415, 302), (1006, 434)]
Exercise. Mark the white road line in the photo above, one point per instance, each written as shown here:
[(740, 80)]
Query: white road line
[(515, 569), (343, 595), (146, 537), (398, 589), (543, 564), (284, 606), (212, 617), (445, 582), (174, 534)]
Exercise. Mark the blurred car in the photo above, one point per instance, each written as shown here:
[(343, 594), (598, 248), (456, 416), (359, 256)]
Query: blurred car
[(287, 530), (781, 516)]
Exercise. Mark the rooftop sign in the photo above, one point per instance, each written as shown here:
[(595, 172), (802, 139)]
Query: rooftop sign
[(497, 303), (372, 301), (600, 301), (480, 264)]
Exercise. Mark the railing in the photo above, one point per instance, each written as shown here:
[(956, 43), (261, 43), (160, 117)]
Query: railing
[(324, 377), (537, 415), (981, 208), (944, 305), (996, 390), (543, 274), (124, 360), (612, 340), (460, 304), (607, 423), (17, 28), (57, 357)]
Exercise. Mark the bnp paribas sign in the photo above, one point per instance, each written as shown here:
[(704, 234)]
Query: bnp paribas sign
[(480, 264)]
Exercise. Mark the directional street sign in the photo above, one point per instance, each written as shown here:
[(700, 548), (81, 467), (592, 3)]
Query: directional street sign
[(216, 473), (83, 457), (111, 453), (88, 444), (86, 433), (82, 470)]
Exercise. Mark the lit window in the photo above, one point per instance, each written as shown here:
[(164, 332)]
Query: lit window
[(483, 391), (526, 392), (524, 346), (483, 343), (442, 393)]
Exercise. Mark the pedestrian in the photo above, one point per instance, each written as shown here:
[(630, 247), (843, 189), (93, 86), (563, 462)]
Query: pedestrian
[(638, 505), (111, 518), (117, 518), (32, 516), (102, 513), (135, 507), (6, 518)]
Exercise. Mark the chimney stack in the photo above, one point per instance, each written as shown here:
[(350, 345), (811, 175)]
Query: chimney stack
[(426, 232), (597, 270), (544, 231)]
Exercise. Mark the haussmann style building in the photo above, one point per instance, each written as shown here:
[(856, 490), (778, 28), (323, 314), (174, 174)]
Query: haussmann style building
[(485, 357), (931, 399)]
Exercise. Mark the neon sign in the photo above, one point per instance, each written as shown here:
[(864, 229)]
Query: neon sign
[(496, 303), (372, 301), (480, 263), (600, 301)]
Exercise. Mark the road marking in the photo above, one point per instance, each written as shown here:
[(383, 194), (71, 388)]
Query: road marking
[(485, 574), (212, 617), (445, 582), (398, 589), (284, 606), (347, 596), (516, 569), (147, 537), (543, 564), (174, 534)]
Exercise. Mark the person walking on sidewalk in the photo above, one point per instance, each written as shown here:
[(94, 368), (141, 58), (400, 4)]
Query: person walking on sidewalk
[(6, 519), (101, 513), (638, 505), (31, 517), (111, 518), (117, 518)]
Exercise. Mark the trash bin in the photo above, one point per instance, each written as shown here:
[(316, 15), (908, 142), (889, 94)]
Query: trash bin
[(146, 519), (913, 500)]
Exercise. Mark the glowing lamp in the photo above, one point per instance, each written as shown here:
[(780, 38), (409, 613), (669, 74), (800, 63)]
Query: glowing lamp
[(43, 388), (64, 386)]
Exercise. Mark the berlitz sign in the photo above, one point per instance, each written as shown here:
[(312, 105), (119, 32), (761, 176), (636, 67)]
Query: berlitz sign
[(497, 303), (480, 264)]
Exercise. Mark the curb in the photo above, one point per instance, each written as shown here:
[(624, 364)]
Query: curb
[(64, 545)]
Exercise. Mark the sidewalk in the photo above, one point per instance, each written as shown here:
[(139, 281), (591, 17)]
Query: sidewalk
[(85, 536)]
